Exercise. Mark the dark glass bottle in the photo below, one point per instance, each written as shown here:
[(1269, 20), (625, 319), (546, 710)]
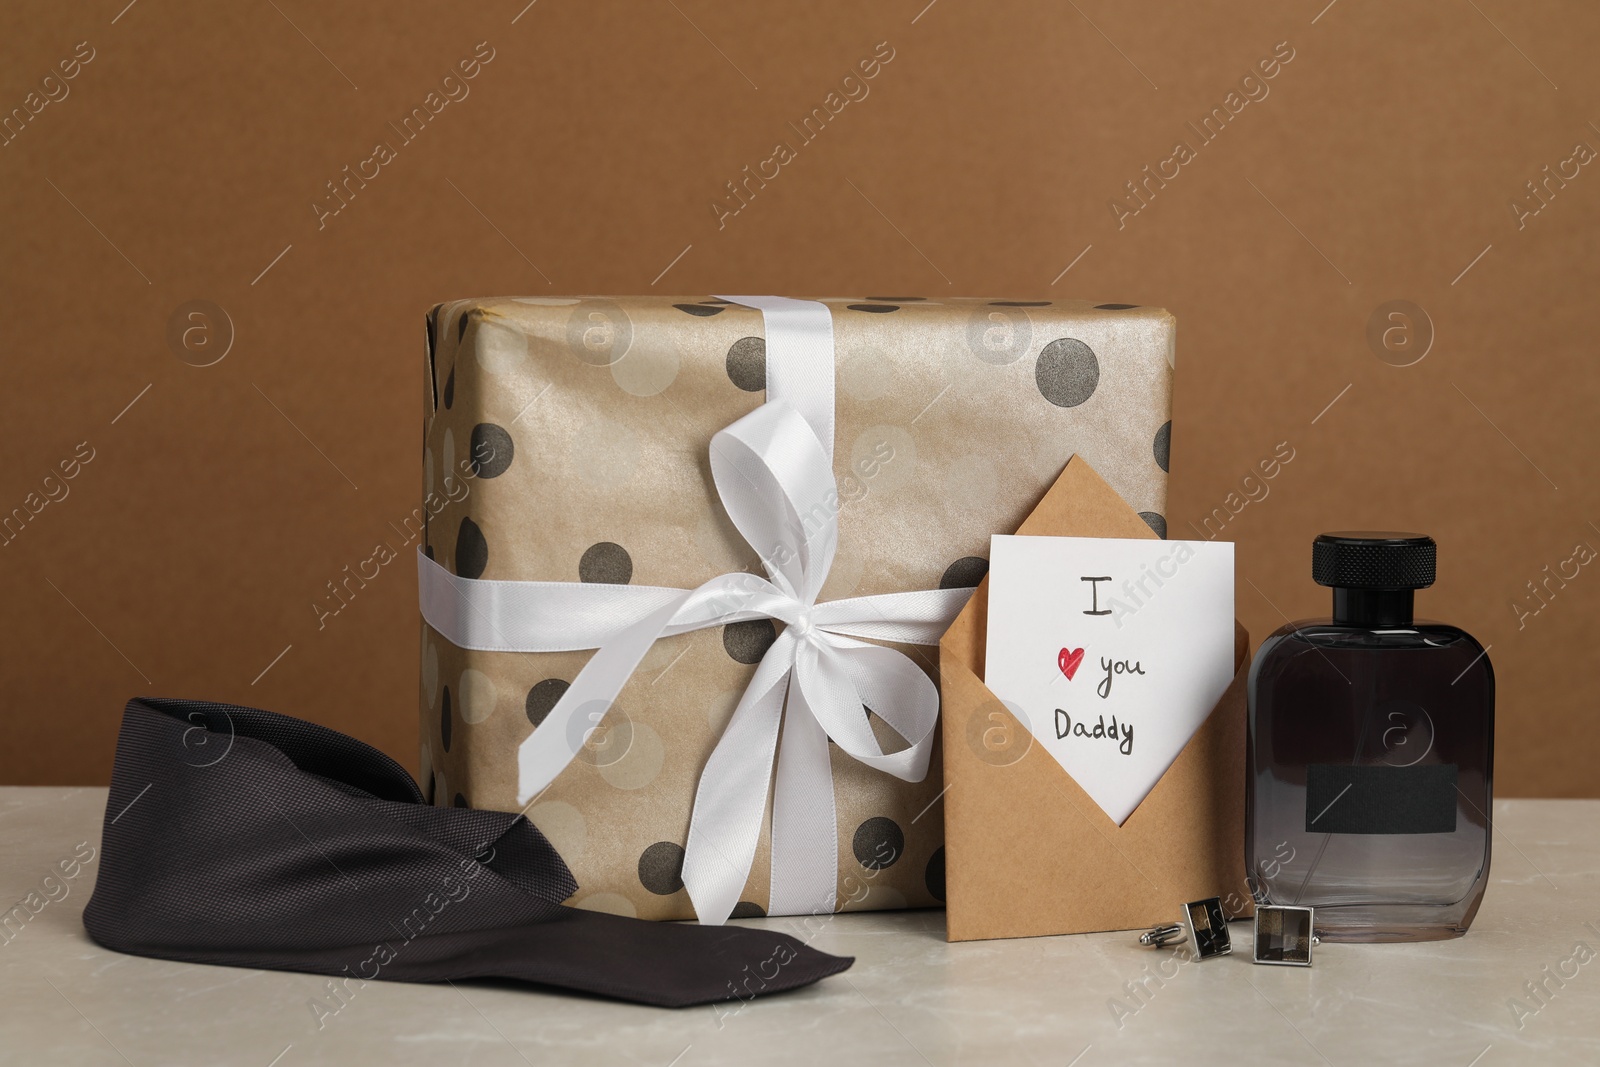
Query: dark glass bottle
[(1371, 747)]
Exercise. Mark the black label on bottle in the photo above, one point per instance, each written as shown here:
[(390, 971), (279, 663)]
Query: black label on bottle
[(1342, 798)]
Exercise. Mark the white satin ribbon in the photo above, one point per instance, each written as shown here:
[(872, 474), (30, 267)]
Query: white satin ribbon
[(773, 471)]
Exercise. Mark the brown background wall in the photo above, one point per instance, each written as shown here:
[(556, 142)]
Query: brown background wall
[(183, 165)]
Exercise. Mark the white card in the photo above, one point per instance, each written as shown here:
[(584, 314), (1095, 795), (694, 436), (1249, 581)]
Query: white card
[(1110, 651)]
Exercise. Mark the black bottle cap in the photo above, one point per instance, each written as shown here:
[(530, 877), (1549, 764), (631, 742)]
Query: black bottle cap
[(1363, 559)]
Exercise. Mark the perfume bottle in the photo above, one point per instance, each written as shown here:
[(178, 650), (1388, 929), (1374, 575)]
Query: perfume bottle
[(1371, 745)]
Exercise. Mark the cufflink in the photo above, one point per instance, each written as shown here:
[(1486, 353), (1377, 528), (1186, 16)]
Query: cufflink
[(1203, 922), (1284, 935)]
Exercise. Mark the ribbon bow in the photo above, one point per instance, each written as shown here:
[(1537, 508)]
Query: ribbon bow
[(773, 471)]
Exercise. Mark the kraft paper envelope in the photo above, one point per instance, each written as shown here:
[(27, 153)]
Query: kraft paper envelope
[(1027, 852)]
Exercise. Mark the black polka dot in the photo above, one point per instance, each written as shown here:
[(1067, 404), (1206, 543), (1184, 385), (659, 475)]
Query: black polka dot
[(875, 309), (748, 641), (964, 573), (492, 450), (461, 326), (607, 563), (1115, 307), (433, 326), (702, 310), (879, 843), (1067, 372), (747, 909), (716, 300), (450, 388), (747, 364), (896, 299), (444, 718), (1163, 445), (427, 550), (542, 697), (1019, 303), (933, 877), (461, 801), (661, 868), (1156, 522), (472, 551)]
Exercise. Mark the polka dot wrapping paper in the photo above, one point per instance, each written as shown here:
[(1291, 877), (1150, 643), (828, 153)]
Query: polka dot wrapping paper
[(566, 439)]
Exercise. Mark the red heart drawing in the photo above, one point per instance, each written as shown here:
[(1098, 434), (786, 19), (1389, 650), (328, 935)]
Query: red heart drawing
[(1069, 661)]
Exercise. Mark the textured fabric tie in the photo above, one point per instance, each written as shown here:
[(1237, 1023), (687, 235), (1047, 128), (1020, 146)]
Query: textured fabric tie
[(245, 838)]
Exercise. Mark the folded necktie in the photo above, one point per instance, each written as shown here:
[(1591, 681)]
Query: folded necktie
[(244, 838)]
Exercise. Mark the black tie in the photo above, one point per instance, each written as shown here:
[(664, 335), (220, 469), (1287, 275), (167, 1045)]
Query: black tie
[(245, 838)]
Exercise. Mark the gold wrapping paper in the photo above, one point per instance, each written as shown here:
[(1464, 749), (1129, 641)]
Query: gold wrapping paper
[(565, 439)]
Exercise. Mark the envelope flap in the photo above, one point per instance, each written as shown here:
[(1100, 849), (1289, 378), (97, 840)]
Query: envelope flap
[(1078, 504), (1081, 504)]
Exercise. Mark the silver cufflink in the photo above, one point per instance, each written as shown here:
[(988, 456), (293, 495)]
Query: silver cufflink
[(1284, 935), (1203, 923)]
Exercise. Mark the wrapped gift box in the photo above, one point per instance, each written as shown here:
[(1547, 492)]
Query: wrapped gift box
[(567, 440)]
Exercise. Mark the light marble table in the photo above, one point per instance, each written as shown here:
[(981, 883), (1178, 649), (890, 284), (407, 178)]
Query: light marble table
[(910, 998)]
